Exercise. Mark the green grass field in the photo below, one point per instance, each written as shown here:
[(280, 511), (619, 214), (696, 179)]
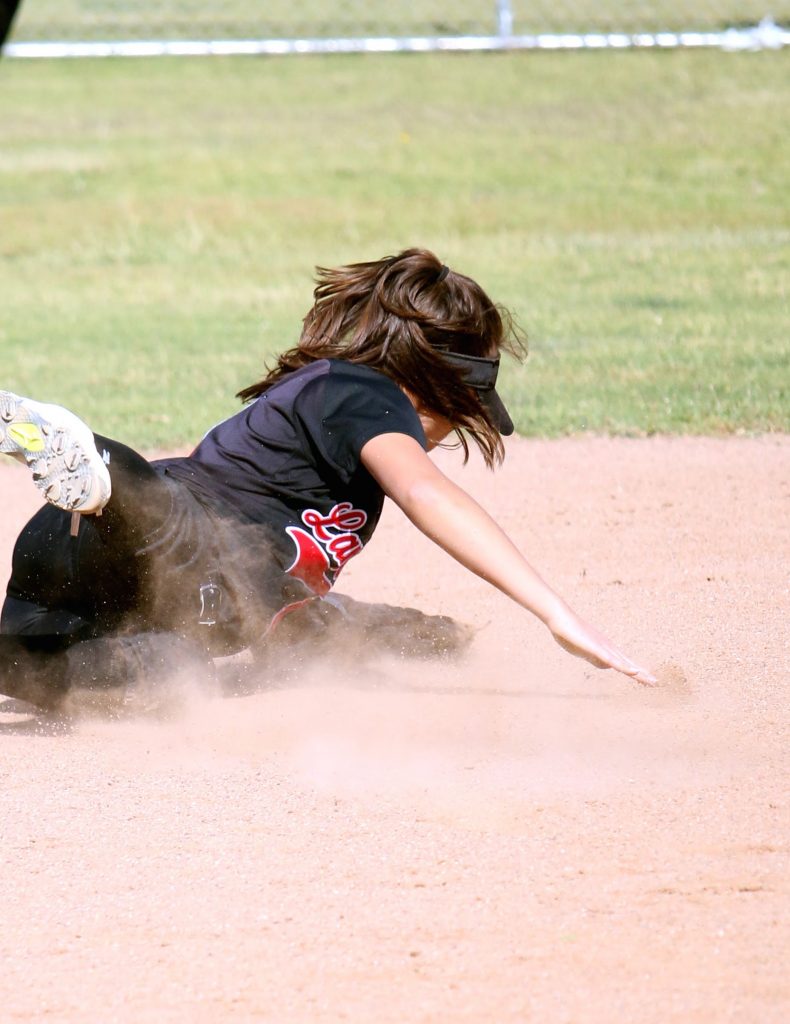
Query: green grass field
[(161, 219)]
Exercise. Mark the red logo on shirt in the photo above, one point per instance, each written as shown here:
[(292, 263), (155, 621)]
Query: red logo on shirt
[(332, 539)]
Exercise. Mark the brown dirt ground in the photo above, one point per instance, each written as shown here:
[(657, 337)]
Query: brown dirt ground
[(515, 837)]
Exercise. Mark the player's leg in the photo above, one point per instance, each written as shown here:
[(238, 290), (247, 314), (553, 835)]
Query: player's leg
[(150, 557), (33, 669), (137, 672), (68, 585), (78, 471), (59, 449), (71, 626), (49, 608), (340, 625), (154, 551), (146, 531), (77, 580)]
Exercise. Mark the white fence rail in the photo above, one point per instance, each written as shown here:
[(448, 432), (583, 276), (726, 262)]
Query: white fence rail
[(75, 28)]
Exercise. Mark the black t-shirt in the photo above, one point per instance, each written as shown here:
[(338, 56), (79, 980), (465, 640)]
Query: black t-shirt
[(290, 463)]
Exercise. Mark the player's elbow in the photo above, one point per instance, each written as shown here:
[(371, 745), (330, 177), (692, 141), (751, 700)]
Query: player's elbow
[(426, 500)]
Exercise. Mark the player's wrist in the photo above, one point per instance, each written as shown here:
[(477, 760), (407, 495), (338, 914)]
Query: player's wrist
[(557, 615)]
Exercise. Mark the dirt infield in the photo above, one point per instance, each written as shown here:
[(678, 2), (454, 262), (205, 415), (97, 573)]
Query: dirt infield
[(512, 838)]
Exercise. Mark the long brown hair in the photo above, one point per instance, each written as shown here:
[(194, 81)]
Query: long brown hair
[(396, 315)]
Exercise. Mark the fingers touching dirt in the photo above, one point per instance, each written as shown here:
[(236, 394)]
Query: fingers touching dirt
[(584, 641)]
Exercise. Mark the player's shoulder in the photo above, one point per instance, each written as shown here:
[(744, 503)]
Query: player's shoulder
[(335, 372), (342, 373), (331, 385)]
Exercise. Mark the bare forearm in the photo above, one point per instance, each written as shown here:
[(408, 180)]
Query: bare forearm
[(458, 524), (450, 517), (455, 521)]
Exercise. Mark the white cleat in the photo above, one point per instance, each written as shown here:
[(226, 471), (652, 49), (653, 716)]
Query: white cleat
[(59, 449)]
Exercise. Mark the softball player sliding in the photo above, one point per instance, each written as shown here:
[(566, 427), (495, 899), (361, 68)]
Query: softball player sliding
[(134, 566)]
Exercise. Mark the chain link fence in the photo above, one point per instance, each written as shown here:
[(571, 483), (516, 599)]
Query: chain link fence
[(72, 27)]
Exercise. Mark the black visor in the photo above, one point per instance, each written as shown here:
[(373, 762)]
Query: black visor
[(480, 374)]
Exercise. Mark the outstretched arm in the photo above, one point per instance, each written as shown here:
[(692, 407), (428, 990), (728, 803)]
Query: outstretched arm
[(450, 517)]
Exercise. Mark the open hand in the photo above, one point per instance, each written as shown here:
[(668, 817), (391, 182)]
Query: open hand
[(577, 637)]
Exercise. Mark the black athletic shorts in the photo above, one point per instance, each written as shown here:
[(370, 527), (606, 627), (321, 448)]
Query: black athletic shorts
[(156, 559)]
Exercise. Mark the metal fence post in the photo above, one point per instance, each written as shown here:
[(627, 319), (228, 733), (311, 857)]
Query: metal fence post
[(504, 20)]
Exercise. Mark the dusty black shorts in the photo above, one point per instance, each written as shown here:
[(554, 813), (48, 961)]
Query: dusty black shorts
[(155, 560)]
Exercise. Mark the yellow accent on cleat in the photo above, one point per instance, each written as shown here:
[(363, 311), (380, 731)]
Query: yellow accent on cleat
[(60, 451), (28, 436)]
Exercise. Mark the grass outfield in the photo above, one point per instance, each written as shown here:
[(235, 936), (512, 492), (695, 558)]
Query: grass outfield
[(160, 221)]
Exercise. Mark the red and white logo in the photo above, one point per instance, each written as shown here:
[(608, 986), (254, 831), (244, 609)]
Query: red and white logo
[(326, 545)]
